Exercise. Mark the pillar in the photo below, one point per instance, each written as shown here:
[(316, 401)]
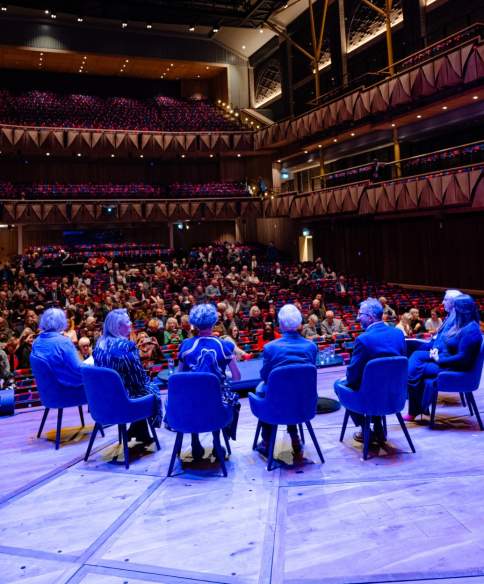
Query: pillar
[(287, 89), (20, 239), (414, 28), (171, 235), (336, 31)]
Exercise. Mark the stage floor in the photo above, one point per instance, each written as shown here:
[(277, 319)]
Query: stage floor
[(395, 517)]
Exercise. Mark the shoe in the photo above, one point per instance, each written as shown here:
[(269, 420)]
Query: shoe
[(263, 448), (358, 437), (215, 455), (297, 446), (408, 417)]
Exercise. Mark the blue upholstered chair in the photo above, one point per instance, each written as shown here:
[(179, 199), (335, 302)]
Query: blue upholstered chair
[(462, 382), (291, 399), (109, 404), (194, 407), (383, 391), (53, 395)]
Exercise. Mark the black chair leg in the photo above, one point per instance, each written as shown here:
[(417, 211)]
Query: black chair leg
[(315, 441), (226, 440), (42, 423), (91, 440), (301, 433), (101, 429), (470, 405), (384, 423), (432, 411), (472, 401), (153, 433), (405, 431), (366, 436), (124, 434), (345, 423), (176, 450), (81, 415), (120, 437), (463, 400), (272, 443), (59, 426), (257, 432), (219, 451)]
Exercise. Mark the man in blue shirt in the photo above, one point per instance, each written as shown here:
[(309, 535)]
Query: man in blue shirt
[(290, 349), (378, 340)]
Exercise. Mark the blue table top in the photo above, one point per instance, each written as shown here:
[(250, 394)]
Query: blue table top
[(250, 373)]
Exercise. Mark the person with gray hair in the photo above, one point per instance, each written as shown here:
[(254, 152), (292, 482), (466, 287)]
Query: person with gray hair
[(290, 349), (57, 349), (115, 350), (378, 340)]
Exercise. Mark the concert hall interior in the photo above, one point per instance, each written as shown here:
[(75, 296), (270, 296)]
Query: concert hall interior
[(241, 291)]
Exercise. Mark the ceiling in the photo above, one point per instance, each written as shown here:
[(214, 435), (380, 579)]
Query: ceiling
[(107, 65)]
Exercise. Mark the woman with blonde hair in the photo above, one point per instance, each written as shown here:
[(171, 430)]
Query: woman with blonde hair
[(404, 324)]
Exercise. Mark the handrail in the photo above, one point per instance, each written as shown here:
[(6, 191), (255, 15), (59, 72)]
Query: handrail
[(131, 131), (131, 200)]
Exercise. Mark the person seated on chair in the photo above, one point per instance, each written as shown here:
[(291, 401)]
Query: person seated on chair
[(457, 350), (290, 349), (115, 351), (207, 353), (331, 326), (57, 349), (378, 340)]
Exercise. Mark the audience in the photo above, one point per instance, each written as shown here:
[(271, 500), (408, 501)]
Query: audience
[(433, 323), (331, 326)]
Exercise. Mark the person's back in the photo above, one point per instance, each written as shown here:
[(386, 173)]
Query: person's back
[(377, 341), (290, 349), (461, 350), (208, 354)]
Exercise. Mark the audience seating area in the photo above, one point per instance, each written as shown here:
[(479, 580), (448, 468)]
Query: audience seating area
[(37, 191), (55, 109)]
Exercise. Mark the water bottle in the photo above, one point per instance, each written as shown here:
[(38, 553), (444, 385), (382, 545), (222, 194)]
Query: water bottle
[(171, 365)]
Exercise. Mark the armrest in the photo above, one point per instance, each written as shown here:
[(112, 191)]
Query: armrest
[(455, 381)]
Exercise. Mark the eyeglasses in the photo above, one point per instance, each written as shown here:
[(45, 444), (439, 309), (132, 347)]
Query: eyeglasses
[(363, 314)]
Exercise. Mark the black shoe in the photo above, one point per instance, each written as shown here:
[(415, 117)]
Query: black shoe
[(358, 437), (215, 455), (263, 448)]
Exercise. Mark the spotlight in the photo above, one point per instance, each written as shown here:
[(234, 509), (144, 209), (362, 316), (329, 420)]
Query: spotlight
[(46, 11), (444, 107), (149, 25), (475, 97), (47, 153), (79, 155), (261, 29), (53, 15), (80, 19), (124, 24), (211, 155), (239, 155), (4, 9), (141, 156), (320, 145), (305, 152), (243, 47), (352, 134), (215, 29), (419, 117), (335, 139), (183, 155), (180, 226), (306, 232), (113, 155), (191, 29)]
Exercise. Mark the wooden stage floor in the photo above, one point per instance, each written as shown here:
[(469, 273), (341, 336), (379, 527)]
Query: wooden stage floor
[(396, 517)]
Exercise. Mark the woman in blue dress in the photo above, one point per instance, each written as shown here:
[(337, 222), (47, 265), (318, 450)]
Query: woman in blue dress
[(115, 351), (210, 354)]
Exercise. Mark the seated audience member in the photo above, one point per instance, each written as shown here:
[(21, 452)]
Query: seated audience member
[(115, 351), (389, 314), (155, 330), (212, 291), (149, 349), (317, 309), (457, 350), (416, 323), (5, 371), (404, 324), (233, 337), (85, 350), (172, 333), (24, 348), (256, 321), (185, 327), (71, 330), (57, 349), (310, 330), (433, 323), (206, 353), (341, 289), (331, 326), (377, 340), (290, 349)]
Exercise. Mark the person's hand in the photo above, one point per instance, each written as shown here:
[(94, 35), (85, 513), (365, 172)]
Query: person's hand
[(434, 354)]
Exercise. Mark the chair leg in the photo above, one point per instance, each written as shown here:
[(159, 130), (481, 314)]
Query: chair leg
[(315, 440), (176, 450), (384, 423), (219, 451), (59, 426), (405, 431), (81, 415), (463, 400), (272, 444), (226, 440), (101, 429), (42, 423), (124, 434), (91, 441), (470, 405), (257, 432), (301, 433), (472, 400), (366, 437), (345, 423), (153, 433), (120, 437), (432, 411)]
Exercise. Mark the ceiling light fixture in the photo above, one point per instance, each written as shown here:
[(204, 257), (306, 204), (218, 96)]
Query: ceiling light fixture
[(113, 155), (419, 116), (80, 19), (46, 11), (191, 29), (53, 15), (141, 156), (4, 9), (243, 47), (149, 25), (124, 24), (335, 139), (239, 155), (215, 29), (183, 155), (352, 134), (211, 155), (47, 153), (305, 152), (393, 125), (475, 97), (444, 107), (79, 155)]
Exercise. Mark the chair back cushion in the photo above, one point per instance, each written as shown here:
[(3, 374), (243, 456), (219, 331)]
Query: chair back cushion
[(195, 403), (383, 389), (52, 393), (108, 401), (292, 395), (474, 375)]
